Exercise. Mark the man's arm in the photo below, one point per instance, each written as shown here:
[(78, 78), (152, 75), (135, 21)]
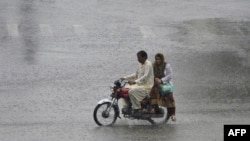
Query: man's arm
[(130, 77)]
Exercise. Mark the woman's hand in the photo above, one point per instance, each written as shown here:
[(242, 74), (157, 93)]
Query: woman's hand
[(158, 81)]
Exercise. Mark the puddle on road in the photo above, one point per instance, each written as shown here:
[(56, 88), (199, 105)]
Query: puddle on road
[(215, 35), (215, 77)]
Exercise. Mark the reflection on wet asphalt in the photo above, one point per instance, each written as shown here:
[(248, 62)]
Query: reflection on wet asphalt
[(58, 59), (29, 31)]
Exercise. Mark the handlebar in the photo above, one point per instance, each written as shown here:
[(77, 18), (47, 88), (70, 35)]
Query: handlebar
[(123, 81)]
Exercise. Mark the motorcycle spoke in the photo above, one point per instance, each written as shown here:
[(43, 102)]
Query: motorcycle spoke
[(105, 114)]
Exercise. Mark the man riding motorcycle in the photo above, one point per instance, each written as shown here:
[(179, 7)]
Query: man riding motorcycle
[(140, 82)]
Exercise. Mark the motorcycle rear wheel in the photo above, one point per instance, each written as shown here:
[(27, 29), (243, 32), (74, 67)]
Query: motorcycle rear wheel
[(105, 114)]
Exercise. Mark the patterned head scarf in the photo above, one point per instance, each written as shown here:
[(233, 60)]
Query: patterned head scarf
[(159, 68)]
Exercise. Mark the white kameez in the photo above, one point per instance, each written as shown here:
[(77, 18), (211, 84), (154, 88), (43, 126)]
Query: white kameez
[(144, 78)]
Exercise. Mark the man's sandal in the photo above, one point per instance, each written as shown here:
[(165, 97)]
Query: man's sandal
[(152, 111)]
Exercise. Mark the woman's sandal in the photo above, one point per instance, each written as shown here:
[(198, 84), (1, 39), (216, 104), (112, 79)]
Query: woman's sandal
[(173, 118)]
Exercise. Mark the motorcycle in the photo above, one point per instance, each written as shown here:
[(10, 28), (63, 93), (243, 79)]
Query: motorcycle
[(107, 110)]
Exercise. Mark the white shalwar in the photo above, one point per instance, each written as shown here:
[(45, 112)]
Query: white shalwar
[(144, 78)]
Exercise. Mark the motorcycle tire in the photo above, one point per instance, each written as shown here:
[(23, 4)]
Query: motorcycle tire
[(105, 114)]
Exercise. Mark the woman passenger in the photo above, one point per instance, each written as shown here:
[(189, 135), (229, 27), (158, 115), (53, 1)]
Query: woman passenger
[(162, 74)]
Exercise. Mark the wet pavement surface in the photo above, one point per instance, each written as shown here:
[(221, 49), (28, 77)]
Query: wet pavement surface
[(58, 59)]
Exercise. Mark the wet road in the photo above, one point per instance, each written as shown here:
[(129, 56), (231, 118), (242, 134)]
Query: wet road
[(58, 58)]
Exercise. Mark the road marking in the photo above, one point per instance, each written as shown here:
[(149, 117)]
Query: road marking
[(46, 30), (80, 30), (13, 30), (146, 32)]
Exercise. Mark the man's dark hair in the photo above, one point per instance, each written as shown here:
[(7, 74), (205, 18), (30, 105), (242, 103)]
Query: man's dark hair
[(143, 54)]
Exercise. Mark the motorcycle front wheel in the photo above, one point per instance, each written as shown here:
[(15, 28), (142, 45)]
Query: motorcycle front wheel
[(104, 114)]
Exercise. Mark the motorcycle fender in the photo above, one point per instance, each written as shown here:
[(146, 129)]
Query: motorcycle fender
[(104, 100)]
